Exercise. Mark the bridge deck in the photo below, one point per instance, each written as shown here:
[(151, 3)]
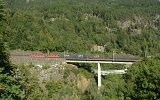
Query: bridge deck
[(99, 61)]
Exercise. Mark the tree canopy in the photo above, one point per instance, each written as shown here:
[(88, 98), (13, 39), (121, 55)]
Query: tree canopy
[(143, 80), (59, 25), (129, 26), (9, 87)]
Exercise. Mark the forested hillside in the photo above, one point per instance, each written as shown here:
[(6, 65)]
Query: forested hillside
[(130, 26)]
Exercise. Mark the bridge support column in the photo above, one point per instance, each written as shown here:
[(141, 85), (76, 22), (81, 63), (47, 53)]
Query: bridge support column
[(99, 76)]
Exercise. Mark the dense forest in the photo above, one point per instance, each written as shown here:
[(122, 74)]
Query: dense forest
[(76, 25), (129, 26)]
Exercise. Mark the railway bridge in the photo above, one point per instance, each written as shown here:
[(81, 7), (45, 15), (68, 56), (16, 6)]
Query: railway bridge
[(99, 62), (24, 59)]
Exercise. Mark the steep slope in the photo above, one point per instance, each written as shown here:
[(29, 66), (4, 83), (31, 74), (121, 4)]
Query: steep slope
[(129, 26)]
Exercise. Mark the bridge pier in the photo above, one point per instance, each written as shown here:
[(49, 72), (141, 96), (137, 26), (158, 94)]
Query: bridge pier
[(99, 76)]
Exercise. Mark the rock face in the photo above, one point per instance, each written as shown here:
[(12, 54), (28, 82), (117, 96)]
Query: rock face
[(27, 1), (83, 83), (98, 48), (56, 80)]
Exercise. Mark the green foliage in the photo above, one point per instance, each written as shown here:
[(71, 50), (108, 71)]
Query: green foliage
[(143, 80), (57, 88), (113, 87), (86, 72), (66, 74), (4, 57), (127, 25), (10, 87), (30, 83), (4, 54), (130, 26), (1, 11), (53, 87), (92, 92), (112, 66), (45, 67)]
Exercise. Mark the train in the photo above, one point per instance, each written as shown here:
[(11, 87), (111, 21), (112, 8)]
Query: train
[(69, 56), (89, 57), (112, 57)]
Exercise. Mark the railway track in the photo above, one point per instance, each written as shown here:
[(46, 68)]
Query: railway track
[(24, 57)]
